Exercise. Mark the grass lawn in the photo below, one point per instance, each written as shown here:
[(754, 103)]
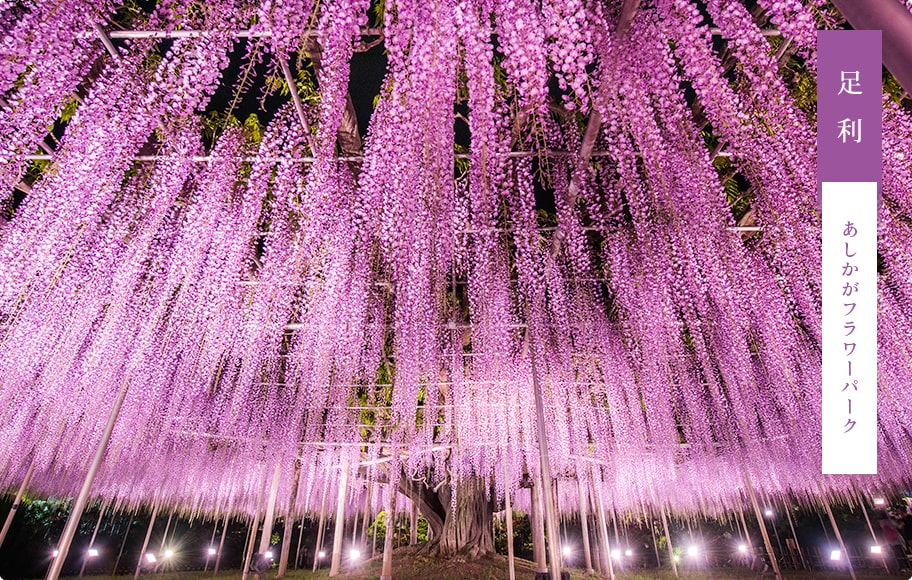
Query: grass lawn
[(410, 566)]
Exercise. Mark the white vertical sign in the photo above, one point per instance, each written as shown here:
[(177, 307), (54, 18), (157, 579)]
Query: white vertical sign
[(849, 327)]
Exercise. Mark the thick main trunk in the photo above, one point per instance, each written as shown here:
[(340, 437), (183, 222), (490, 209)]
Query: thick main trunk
[(467, 530)]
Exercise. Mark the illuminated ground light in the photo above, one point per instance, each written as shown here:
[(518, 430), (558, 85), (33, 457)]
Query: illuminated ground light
[(55, 553), (566, 550), (322, 554), (150, 558), (268, 553), (693, 551), (628, 553), (768, 512), (879, 501), (93, 553), (212, 551), (875, 549), (616, 554), (169, 553), (742, 548), (835, 555), (355, 554)]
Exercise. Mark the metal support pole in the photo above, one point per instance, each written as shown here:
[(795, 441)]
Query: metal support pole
[(766, 539), (655, 543), (671, 555), (298, 546), (161, 548), (319, 543), (605, 549), (386, 573), (266, 535), (122, 544), (142, 552), (795, 537), (511, 562), (63, 546), (368, 511), (12, 513), (829, 512), (554, 552), (251, 542), (251, 534), (538, 527), (864, 510), (339, 528), (85, 557), (218, 555), (413, 525), (211, 542), (289, 520), (584, 523)]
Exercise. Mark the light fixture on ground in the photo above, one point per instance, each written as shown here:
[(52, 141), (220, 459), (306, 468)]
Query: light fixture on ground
[(628, 552), (566, 550), (875, 549), (93, 553), (768, 512), (169, 552), (616, 554), (321, 554), (880, 502), (150, 558), (835, 555), (212, 551), (268, 553), (354, 554), (693, 551), (742, 548), (55, 553)]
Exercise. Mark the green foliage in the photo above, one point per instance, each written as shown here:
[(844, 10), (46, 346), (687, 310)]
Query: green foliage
[(69, 109), (892, 88), (378, 8), (401, 532), (461, 163), (305, 83)]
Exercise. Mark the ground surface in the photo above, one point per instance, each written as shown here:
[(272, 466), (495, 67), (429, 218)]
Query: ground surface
[(408, 566)]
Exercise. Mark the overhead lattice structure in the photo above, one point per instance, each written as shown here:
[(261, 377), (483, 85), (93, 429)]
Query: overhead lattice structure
[(634, 207)]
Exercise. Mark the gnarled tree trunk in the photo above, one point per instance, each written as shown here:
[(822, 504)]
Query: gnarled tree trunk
[(465, 531)]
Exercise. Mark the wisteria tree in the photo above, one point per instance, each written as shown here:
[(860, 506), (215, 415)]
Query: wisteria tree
[(614, 206)]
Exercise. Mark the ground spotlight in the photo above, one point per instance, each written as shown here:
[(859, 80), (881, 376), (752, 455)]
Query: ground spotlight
[(768, 512), (355, 554), (150, 558), (93, 553), (880, 502), (566, 550), (55, 553), (875, 549), (628, 553), (693, 551), (212, 551), (321, 554), (268, 553), (616, 554), (168, 553), (835, 555), (742, 548)]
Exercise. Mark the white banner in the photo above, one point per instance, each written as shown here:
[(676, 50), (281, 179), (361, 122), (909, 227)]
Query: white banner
[(849, 327)]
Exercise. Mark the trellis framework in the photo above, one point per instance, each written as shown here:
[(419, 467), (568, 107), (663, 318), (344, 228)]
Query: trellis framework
[(678, 359)]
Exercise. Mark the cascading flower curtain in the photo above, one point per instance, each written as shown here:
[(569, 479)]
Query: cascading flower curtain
[(265, 302)]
